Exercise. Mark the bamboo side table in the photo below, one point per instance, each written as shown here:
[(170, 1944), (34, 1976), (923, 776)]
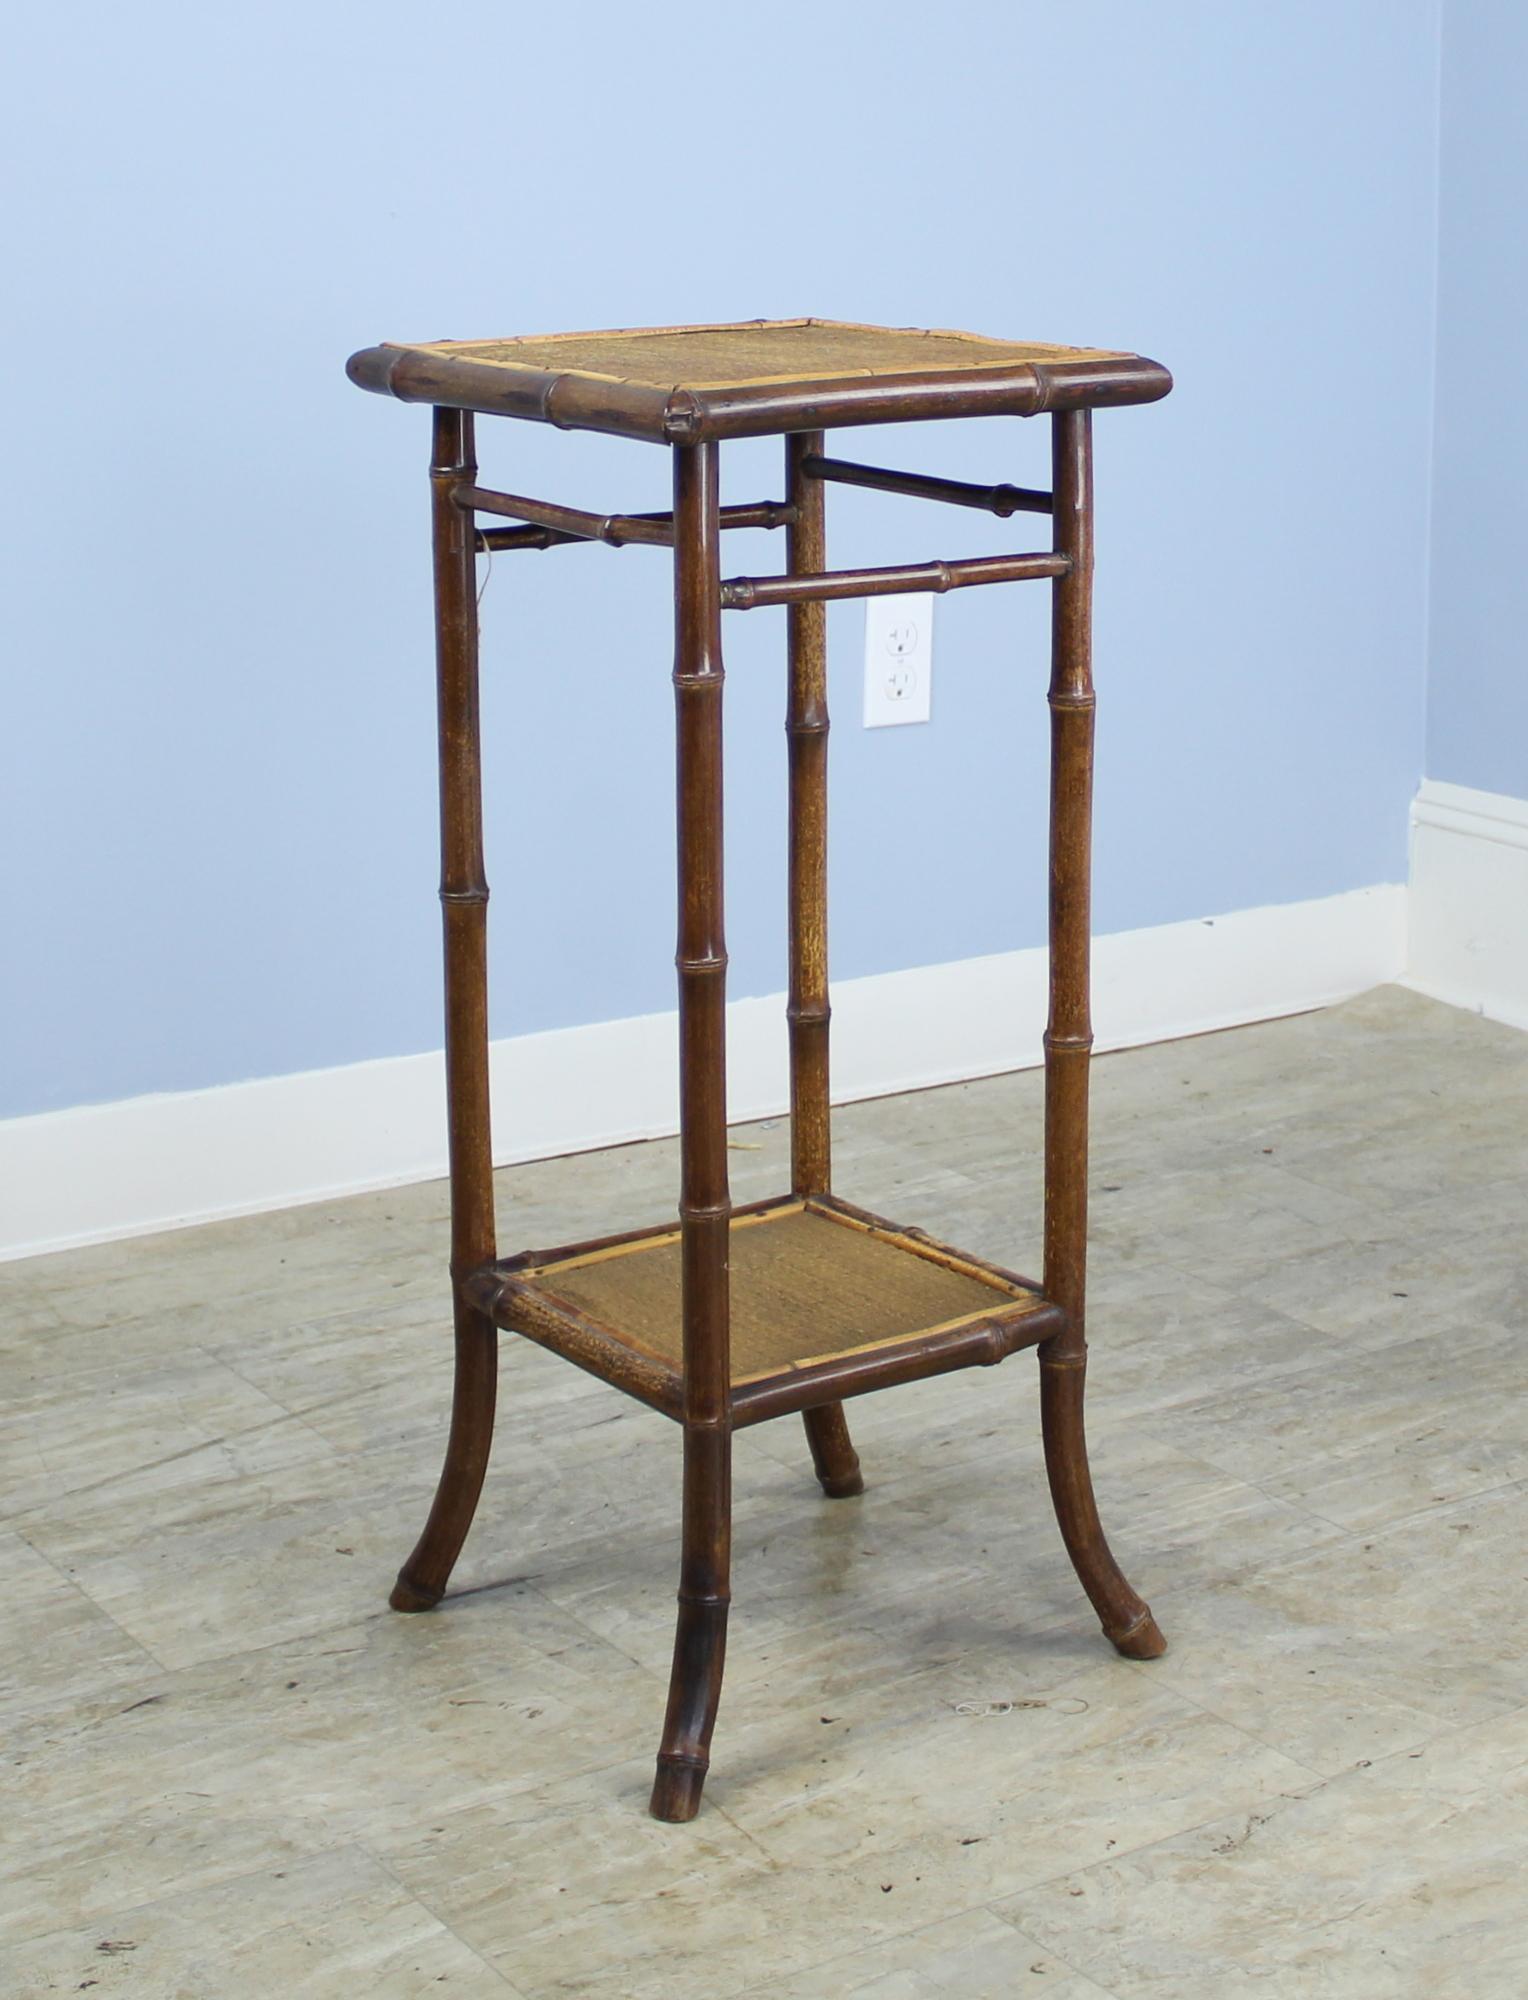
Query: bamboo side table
[(792, 1304)]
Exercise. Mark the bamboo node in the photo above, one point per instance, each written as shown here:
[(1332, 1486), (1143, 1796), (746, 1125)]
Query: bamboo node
[(1072, 1357), (549, 404), (1009, 500), (475, 1277), (681, 418), (1063, 1045)]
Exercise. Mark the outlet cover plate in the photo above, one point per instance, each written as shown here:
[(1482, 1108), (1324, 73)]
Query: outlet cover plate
[(899, 659)]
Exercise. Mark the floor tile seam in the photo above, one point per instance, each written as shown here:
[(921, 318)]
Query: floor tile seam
[(1343, 1341), (1144, 1668), (777, 1870), (753, 1840), (24, 1710), (651, 1673), (107, 1920), (390, 1843), (1176, 1695), (509, 1988), (1280, 1803), (1332, 1777), (1413, 1514), (82, 1387), (1147, 1425), (1385, 1528), (336, 1401), (223, 1660), (1106, 1416), (323, 1322), (217, 1283), (1397, 1202), (363, 1621), (1186, 1509), (817, 1623), (1439, 1740), (893, 1938), (1164, 1264), (90, 1598), (1170, 1265), (282, 1416), (1297, 1506), (382, 1615), (1192, 1273), (556, 1610), (1062, 1616)]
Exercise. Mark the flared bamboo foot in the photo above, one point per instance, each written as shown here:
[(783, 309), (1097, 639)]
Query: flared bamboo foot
[(1142, 1640), (423, 1578), (845, 1488), (677, 1788), (1124, 1615), (410, 1597), (695, 1686), (833, 1454)]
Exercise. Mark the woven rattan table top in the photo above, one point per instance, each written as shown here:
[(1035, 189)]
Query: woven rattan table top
[(755, 352), (683, 384)]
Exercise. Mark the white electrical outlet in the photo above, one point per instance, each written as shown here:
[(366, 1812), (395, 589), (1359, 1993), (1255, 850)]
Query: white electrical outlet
[(899, 659)]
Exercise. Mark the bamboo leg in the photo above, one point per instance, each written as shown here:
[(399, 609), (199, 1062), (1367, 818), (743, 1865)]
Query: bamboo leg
[(827, 1430), (464, 902), (1126, 1619), (700, 1640)]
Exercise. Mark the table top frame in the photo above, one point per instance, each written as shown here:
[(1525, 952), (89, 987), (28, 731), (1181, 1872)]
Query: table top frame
[(525, 377)]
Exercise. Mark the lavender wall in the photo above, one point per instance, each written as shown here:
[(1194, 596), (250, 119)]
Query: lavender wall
[(1477, 707), (218, 769)]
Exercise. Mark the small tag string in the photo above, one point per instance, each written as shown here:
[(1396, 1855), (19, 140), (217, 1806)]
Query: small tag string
[(1063, 1705)]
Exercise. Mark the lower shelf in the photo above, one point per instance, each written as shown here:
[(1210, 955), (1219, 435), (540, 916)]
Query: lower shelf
[(827, 1301)]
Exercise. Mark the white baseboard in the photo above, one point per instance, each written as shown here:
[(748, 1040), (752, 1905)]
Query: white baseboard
[(1469, 900), (150, 1163)]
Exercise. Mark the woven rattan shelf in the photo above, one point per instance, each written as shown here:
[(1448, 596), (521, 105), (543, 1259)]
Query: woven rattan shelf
[(827, 1301), (733, 1316)]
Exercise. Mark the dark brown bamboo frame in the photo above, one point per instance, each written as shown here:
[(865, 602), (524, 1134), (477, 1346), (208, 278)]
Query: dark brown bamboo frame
[(610, 528), (807, 1010), (1125, 1617), (700, 1389), (1001, 500), (746, 593), (464, 903)]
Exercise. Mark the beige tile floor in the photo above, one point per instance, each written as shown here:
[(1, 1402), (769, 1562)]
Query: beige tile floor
[(232, 1774)]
